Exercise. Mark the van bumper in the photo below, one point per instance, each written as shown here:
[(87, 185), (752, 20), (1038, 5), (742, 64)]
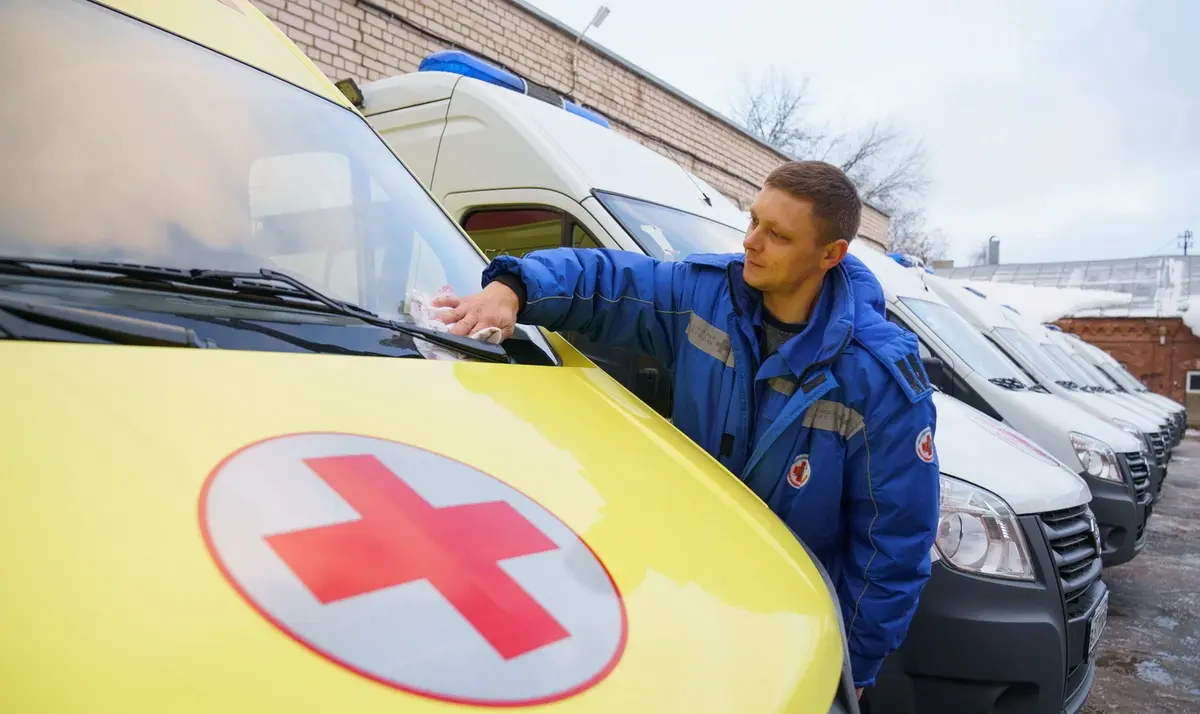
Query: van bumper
[(1121, 518), (987, 646)]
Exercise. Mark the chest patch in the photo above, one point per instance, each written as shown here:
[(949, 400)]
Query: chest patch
[(799, 472), (925, 445)]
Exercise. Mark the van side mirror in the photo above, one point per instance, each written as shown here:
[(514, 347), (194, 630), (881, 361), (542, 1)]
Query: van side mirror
[(936, 369)]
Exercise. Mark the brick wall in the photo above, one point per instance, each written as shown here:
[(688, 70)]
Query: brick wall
[(370, 39), (1158, 351)]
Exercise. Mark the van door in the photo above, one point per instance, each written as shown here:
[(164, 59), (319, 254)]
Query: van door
[(551, 220)]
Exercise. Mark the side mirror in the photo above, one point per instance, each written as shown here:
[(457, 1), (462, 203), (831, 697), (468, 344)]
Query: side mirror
[(936, 369)]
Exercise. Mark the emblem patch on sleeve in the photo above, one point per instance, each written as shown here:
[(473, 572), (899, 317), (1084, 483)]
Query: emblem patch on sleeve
[(925, 445), (799, 472)]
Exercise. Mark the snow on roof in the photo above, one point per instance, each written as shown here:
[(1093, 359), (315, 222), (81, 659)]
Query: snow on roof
[(1191, 316), (1158, 286), (1045, 304)]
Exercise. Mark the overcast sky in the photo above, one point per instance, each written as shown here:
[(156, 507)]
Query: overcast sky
[(1070, 129)]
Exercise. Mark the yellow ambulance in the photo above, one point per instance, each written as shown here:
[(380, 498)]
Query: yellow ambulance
[(243, 474)]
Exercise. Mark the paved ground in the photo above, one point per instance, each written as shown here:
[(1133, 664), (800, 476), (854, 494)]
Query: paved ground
[(1149, 659)]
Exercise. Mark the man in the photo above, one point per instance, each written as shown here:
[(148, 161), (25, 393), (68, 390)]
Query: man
[(785, 370)]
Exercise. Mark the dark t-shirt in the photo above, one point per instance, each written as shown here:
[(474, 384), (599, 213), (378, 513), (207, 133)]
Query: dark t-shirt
[(775, 332)]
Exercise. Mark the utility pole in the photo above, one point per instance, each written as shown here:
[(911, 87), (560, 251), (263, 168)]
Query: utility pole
[(1185, 241)]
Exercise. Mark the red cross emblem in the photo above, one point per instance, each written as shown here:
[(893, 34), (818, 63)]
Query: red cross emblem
[(925, 445), (413, 569), (799, 472)]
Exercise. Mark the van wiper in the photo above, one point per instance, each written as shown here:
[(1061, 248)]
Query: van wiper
[(101, 325), (1009, 383), (265, 282)]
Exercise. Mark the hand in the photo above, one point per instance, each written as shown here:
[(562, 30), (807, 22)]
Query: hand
[(858, 692), (495, 306)]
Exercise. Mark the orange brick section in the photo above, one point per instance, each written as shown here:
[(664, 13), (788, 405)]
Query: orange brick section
[(370, 39), (1158, 351)]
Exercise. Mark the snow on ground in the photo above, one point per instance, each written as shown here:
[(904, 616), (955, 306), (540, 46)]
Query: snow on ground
[(1191, 316), (1046, 304)]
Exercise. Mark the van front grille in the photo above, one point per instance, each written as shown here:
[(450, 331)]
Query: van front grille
[(1140, 471), (1076, 553)]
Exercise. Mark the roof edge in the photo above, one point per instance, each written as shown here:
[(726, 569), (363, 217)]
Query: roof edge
[(644, 74)]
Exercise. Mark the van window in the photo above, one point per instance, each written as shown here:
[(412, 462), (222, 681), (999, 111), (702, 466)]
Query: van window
[(965, 341), (1032, 352), (196, 161), (669, 233), (516, 231), (1080, 375)]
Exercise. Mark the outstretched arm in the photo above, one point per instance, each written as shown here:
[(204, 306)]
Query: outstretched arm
[(618, 298)]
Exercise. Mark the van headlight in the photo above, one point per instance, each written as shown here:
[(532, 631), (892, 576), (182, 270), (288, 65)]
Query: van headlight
[(979, 533), (1096, 457), (1141, 436)]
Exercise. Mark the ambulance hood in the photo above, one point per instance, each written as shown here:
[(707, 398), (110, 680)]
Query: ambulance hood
[(226, 530), (977, 449)]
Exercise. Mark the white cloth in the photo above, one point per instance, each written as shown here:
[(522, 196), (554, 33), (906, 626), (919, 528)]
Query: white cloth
[(421, 309)]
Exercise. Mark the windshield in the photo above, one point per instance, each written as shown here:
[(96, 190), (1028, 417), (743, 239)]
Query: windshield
[(131, 144), (966, 342), (1079, 375), (669, 233), (1020, 343), (1123, 380)]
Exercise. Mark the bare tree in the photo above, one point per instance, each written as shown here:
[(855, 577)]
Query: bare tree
[(980, 254), (907, 234), (888, 169), (769, 109)]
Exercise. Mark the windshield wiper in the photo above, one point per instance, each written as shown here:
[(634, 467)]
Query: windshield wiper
[(1009, 383), (101, 325), (237, 282)]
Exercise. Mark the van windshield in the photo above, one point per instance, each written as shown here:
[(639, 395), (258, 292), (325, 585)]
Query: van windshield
[(125, 143), (1020, 343), (1081, 376), (1120, 378), (669, 233), (966, 342)]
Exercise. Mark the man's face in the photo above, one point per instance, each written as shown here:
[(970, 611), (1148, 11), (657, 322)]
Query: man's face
[(783, 245)]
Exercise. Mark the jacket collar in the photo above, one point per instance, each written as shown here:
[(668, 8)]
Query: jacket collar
[(830, 327)]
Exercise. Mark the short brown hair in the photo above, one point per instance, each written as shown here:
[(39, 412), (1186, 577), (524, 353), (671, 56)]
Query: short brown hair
[(834, 199)]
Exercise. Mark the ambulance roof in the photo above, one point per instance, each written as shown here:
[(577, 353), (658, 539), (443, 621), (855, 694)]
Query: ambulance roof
[(580, 154), (897, 280), (237, 29)]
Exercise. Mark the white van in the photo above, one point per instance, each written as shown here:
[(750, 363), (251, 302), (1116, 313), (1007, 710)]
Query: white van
[(1123, 381), (1031, 347), (967, 366), (1070, 350), (1018, 539)]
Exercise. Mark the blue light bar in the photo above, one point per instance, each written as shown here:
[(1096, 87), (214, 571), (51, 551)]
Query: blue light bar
[(459, 62), (901, 258), (1052, 326), (968, 287), (586, 113), (468, 65)]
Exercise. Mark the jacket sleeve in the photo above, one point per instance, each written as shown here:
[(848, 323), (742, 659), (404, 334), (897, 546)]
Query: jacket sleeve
[(618, 298), (891, 516)]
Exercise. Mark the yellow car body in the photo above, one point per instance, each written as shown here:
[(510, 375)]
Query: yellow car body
[(147, 486)]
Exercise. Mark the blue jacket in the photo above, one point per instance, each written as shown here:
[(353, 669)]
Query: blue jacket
[(833, 431)]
